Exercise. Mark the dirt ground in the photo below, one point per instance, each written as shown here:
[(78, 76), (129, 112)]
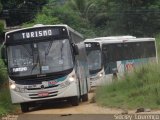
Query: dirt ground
[(83, 108)]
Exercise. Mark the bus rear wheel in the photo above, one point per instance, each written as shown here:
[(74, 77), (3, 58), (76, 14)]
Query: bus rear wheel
[(74, 101), (24, 107)]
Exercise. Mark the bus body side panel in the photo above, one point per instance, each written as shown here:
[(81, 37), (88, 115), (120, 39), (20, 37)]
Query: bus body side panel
[(83, 71)]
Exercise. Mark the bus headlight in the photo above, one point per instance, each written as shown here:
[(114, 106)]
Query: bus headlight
[(101, 74), (12, 86), (16, 88), (72, 79)]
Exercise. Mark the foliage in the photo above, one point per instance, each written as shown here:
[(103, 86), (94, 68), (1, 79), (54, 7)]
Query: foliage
[(82, 7), (90, 17), (140, 89), (18, 11), (1, 6), (63, 14), (5, 103), (135, 17), (1, 27), (3, 73)]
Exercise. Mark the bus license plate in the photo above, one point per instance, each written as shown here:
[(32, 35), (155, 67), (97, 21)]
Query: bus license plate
[(42, 94)]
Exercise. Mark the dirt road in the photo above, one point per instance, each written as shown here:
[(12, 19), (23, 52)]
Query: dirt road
[(66, 108), (83, 108)]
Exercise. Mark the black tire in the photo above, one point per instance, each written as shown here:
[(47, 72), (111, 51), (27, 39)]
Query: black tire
[(85, 97), (75, 101), (24, 107)]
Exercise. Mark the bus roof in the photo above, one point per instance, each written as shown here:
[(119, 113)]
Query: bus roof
[(115, 37), (110, 38), (128, 40), (41, 25), (119, 40)]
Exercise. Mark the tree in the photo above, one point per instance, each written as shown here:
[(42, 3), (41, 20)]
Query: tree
[(1, 23), (19, 11), (82, 7), (135, 17), (58, 13)]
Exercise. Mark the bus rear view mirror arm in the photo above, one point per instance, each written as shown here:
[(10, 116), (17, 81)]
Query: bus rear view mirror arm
[(75, 49)]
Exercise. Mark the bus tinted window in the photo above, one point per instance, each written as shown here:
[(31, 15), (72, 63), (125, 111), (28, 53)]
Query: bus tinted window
[(126, 51)]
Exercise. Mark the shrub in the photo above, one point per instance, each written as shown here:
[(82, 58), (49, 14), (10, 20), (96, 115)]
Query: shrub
[(3, 73)]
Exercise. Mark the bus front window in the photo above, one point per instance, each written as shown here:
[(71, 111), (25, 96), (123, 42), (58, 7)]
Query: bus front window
[(94, 60), (39, 58), (55, 56)]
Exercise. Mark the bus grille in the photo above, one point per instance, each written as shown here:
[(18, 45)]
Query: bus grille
[(36, 96), (43, 88)]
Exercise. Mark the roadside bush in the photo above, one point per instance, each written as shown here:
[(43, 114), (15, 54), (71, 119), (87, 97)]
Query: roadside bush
[(137, 89), (3, 73)]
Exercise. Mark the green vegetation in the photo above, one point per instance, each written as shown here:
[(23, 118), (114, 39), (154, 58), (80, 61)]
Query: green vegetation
[(89, 17), (5, 103), (103, 18), (3, 73), (16, 12), (5, 100), (139, 89)]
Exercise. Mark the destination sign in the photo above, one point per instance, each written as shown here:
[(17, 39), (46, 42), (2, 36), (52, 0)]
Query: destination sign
[(92, 46), (35, 34)]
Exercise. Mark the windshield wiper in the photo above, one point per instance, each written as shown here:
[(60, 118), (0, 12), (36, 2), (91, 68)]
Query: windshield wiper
[(34, 63), (61, 50), (48, 49), (35, 57)]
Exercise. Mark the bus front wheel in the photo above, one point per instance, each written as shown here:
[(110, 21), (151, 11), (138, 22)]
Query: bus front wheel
[(24, 107), (75, 101)]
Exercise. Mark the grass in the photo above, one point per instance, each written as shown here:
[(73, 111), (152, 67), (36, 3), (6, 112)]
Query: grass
[(139, 89), (5, 100), (6, 106)]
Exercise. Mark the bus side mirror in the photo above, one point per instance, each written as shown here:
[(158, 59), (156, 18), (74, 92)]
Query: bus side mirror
[(3, 55), (75, 49)]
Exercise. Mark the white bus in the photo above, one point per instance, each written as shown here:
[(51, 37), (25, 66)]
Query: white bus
[(96, 57), (95, 62), (122, 55), (46, 62)]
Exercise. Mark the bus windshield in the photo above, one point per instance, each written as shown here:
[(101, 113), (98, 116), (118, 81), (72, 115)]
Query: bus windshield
[(39, 58), (94, 57)]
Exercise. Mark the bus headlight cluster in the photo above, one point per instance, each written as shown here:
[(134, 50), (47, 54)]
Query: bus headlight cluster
[(101, 74), (16, 88), (68, 81), (12, 86), (64, 84), (72, 78)]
